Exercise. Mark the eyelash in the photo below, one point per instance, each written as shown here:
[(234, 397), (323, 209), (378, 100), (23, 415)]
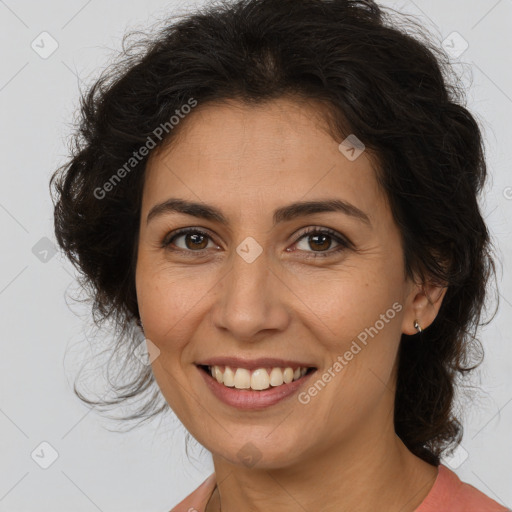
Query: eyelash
[(343, 243)]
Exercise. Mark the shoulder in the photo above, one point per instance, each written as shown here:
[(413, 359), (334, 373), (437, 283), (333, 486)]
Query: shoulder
[(450, 494), (196, 501)]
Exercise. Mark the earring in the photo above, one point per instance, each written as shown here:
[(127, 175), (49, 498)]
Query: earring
[(417, 326)]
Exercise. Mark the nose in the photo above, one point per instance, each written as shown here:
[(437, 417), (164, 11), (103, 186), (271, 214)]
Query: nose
[(251, 299)]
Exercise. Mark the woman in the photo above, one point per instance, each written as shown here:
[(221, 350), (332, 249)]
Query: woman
[(283, 197)]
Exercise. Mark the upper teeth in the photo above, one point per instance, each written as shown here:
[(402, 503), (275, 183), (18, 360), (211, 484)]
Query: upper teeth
[(259, 379)]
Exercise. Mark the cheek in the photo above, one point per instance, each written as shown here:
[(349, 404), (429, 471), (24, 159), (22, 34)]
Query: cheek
[(167, 298), (342, 304), (171, 304), (360, 315), (362, 343)]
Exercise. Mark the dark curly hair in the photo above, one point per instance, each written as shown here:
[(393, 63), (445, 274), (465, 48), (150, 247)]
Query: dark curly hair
[(396, 90)]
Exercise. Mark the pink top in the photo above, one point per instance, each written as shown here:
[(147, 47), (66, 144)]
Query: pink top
[(448, 494)]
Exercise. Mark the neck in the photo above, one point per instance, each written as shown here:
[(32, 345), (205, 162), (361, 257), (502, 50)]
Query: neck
[(367, 474)]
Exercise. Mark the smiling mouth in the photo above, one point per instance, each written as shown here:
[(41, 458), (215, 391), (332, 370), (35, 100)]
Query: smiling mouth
[(259, 379)]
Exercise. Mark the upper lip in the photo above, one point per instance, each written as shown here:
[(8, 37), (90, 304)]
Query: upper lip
[(253, 364)]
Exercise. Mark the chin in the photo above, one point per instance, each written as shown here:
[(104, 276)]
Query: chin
[(254, 452)]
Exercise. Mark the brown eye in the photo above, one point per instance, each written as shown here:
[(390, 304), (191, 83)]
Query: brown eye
[(193, 240), (320, 240)]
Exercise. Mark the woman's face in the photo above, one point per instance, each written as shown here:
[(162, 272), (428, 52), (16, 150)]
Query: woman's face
[(277, 288)]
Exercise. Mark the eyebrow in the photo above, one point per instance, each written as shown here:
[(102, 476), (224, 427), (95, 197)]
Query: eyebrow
[(282, 214)]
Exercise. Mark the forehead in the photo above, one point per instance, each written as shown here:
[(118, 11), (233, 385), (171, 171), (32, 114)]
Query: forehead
[(235, 154)]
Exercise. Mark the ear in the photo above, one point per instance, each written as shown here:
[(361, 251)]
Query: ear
[(422, 305)]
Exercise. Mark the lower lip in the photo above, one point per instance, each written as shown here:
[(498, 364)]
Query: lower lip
[(247, 399)]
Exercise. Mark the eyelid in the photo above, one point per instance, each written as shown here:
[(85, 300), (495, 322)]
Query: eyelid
[(184, 231), (324, 230), (343, 243)]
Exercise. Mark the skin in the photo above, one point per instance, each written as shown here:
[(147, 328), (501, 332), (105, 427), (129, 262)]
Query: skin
[(339, 452)]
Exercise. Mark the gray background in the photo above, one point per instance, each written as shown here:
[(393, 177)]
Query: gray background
[(44, 340)]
